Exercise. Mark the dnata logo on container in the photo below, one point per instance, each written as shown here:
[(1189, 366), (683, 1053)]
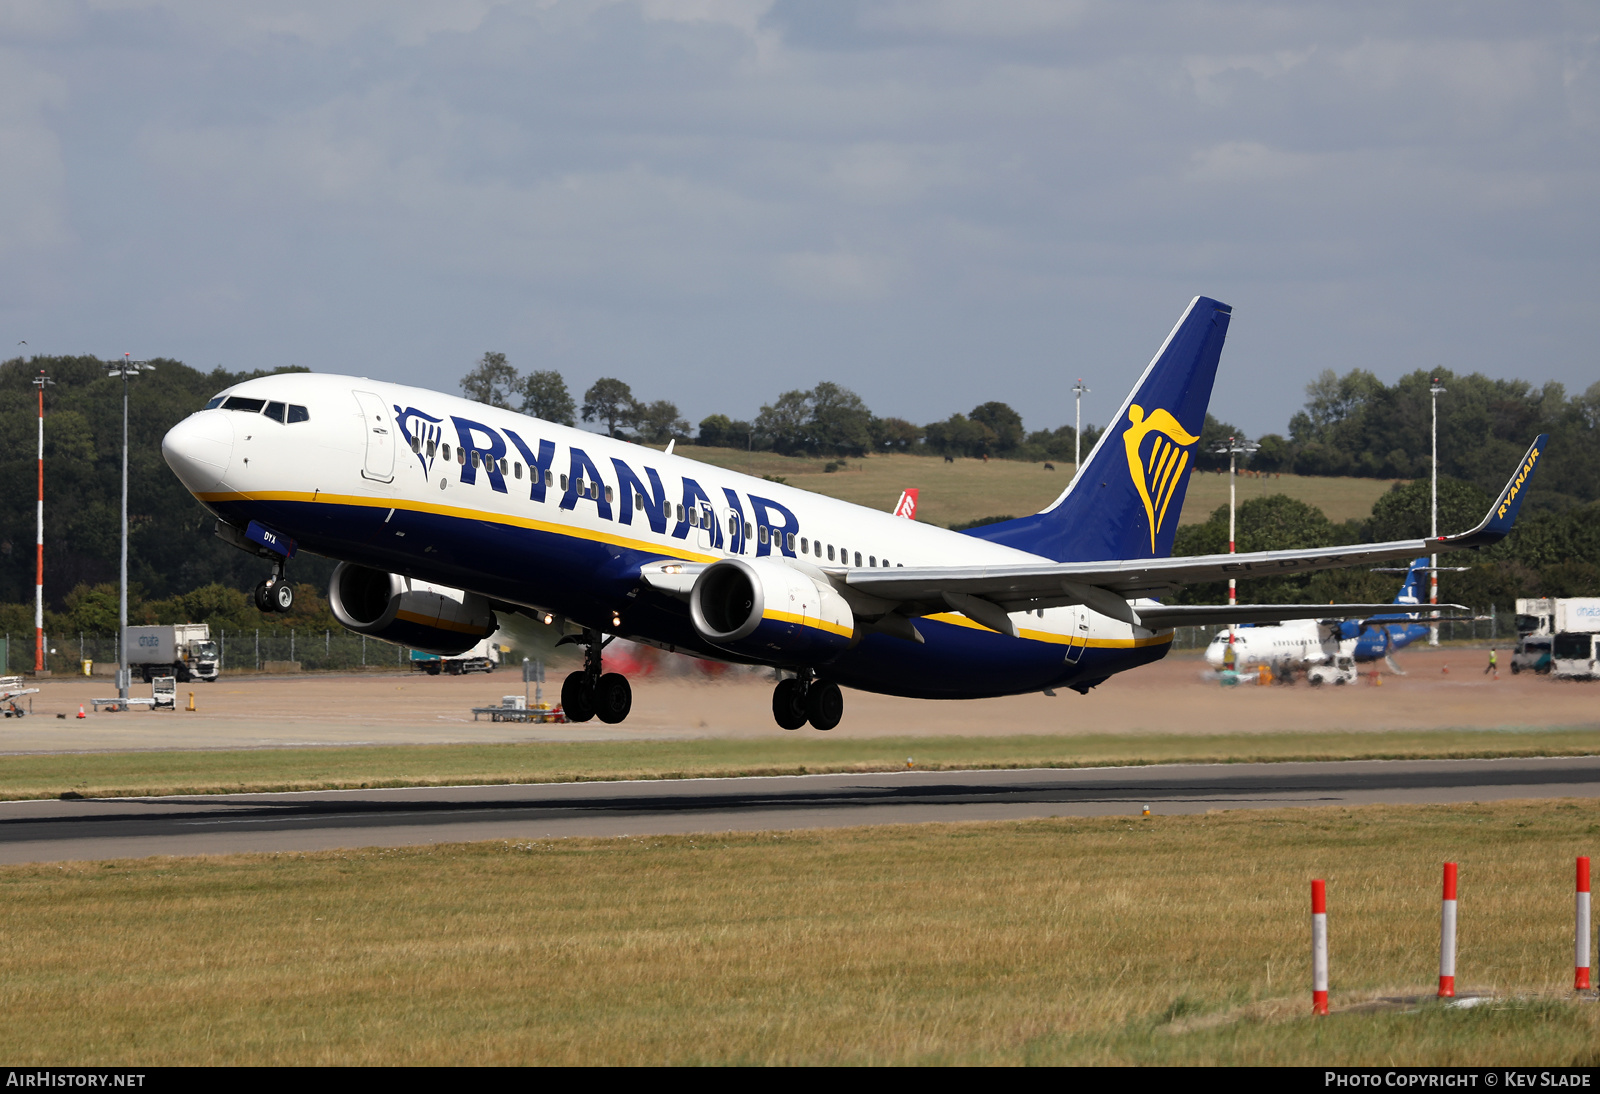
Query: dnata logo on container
[(1157, 469), (149, 640)]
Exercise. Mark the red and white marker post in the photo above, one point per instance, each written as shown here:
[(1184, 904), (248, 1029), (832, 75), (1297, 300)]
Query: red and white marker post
[(1580, 974), (1319, 947), (1447, 935)]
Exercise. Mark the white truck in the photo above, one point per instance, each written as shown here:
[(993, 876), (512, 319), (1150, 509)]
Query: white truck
[(1575, 644), (1341, 670), (480, 658), (185, 651)]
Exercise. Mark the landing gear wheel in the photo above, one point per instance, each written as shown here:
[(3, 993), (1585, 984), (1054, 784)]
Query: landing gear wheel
[(282, 596), (789, 704), (577, 697), (261, 598), (613, 698), (824, 705)]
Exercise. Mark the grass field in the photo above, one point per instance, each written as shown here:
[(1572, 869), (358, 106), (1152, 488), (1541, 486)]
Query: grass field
[(966, 490), (1173, 940), (107, 774)]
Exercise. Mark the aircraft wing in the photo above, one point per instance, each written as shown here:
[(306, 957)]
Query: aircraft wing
[(1160, 616), (1106, 587)]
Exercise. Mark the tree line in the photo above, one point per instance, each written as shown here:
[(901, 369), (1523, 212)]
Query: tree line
[(1483, 427), (1350, 425), (828, 420)]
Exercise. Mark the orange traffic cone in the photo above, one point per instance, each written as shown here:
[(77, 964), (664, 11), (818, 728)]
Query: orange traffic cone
[(81, 714), (1446, 670)]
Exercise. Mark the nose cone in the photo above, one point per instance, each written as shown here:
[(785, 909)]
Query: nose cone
[(198, 449)]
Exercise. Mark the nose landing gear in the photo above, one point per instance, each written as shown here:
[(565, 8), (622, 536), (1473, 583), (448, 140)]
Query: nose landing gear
[(275, 594), (806, 699), (591, 693)]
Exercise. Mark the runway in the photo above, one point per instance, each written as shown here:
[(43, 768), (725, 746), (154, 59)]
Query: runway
[(53, 831)]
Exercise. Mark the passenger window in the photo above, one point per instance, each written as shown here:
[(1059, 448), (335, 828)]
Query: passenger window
[(416, 444), (563, 484), (830, 552), (761, 535), (608, 495), (433, 448), (475, 458), (517, 467), (461, 455), (298, 414), (444, 452), (885, 564), (214, 403), (550, 480), (504, 468), (638, 500), (247, 406), (749, 530), (805, 548), (788, 543), (594, 490), (733, 525), (858, 558), (275, 411)]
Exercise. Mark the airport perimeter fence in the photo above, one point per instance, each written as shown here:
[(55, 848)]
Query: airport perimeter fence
[(262, 650), (275, 648)]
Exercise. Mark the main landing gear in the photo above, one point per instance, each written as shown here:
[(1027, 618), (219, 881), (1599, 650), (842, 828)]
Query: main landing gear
[(589, 693), (806, 699), (275, 594)]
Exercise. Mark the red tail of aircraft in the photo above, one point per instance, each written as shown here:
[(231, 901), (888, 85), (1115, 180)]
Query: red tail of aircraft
[(907, 505)]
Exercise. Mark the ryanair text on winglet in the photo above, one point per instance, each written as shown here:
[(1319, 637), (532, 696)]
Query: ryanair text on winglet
[(1516, 484)]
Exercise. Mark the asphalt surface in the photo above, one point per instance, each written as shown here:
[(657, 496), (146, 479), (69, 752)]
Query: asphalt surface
[(52, 831)]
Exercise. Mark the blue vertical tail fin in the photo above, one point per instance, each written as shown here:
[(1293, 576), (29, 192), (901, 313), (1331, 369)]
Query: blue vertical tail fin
[(1125, 500), (1410, 592)]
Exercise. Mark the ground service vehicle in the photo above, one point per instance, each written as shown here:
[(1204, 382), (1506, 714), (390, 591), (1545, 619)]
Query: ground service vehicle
[(480, 658), (446, 513), (182, 650), (1341, 671), (1532, 654)]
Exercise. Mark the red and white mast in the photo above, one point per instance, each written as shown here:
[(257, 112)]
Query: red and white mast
[(39, 382)]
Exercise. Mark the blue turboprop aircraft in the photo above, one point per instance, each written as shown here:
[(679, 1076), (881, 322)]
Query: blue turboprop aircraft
[(448, 516)]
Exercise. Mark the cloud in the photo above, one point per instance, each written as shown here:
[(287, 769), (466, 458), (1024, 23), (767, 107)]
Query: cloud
[(944, 202)]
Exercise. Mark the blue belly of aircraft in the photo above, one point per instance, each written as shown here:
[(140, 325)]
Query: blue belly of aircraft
[(586, 580)]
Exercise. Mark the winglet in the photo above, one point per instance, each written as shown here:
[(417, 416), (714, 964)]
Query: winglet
[(1494, 527)]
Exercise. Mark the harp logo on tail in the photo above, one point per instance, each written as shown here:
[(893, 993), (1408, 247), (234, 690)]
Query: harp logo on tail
[(1157, 467)]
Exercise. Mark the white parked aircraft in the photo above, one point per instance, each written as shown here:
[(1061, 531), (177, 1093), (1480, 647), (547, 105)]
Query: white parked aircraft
[(445, 513)]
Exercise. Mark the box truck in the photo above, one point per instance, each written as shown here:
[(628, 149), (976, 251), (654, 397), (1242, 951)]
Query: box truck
[(183, 650)]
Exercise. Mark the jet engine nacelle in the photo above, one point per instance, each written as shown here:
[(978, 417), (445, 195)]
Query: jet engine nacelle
[(768, 611), (434, 618)]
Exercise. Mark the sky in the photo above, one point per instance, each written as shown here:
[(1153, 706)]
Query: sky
[(934, 204)]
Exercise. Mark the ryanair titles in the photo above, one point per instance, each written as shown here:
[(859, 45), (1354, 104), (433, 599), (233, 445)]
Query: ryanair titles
[(724, 522)]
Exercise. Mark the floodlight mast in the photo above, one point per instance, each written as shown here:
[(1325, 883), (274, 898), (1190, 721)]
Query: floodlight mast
[(125, 368), (1435, 389), (1233, 447), (1080, 391)]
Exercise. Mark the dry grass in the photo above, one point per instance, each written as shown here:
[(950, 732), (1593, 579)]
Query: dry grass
[(1175, 940), (133, 774), (966, 490)]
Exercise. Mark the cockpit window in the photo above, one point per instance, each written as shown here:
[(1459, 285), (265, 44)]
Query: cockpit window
[(216, 402), (298, 414), (275, 411), (248, 406)]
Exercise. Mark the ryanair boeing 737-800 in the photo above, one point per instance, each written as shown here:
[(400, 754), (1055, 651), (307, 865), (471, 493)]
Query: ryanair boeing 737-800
[(444, 513)]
